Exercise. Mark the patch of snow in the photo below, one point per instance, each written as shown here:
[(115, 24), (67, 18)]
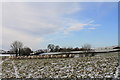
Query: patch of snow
[(16, 70)]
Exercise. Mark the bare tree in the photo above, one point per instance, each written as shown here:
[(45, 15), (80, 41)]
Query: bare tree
[(86, 48), (16, 45)]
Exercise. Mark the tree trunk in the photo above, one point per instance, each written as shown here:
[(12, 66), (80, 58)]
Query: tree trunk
[(16, 53)]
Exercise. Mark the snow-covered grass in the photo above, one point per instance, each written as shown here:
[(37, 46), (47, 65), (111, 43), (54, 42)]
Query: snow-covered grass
[(1, 67), (99, 66)]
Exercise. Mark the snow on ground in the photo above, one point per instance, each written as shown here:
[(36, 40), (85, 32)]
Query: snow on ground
[(117, 73), (4, 54), (1, 67), (16, 70), (1, 61), (100, 66)]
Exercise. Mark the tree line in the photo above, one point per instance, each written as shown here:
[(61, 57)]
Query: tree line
[(18, 48)]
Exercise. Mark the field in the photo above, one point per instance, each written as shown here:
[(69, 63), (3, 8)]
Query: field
[(99, 66)]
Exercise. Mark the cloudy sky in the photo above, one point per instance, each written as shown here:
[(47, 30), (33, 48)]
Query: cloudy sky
[(68, 24)]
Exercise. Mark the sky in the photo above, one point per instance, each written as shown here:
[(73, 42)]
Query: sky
[(67, 24)]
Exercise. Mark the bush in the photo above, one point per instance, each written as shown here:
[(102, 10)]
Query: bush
[(25, 51)]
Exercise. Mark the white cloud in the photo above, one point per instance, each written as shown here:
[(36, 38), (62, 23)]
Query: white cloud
[(30, 22), (77, 26), (92, 28), (10, 35), (44, 18), (74, 27)]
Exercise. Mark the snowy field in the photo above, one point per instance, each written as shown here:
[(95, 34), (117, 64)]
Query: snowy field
[(4, 54), (99, 66)]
